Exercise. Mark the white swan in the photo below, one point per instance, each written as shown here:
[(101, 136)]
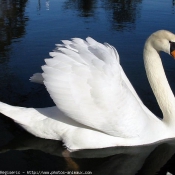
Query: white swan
[(100, 108)]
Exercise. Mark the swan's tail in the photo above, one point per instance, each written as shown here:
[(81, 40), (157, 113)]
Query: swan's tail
[(34, 120), (16, 113), (20, 115)]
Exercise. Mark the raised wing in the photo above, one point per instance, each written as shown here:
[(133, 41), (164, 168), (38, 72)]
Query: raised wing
[(86, 82)]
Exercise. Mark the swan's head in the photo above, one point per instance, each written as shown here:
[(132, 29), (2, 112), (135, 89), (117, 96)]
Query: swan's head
[(163, 40)]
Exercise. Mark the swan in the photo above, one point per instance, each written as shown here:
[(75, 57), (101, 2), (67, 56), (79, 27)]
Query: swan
[(96, 105)]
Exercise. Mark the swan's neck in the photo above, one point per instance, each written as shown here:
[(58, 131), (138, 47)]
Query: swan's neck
[(159, 83)]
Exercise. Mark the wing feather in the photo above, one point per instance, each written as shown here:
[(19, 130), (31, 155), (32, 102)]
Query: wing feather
[(86, 82)]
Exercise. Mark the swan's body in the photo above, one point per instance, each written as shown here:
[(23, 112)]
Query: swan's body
[(100, 108)]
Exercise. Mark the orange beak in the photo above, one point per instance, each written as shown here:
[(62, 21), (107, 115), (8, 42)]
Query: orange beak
[(173, 53)]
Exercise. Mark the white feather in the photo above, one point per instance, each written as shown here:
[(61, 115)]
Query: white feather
[(94, 90)]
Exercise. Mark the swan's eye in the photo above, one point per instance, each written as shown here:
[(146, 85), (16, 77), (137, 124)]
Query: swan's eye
[(172, 48)]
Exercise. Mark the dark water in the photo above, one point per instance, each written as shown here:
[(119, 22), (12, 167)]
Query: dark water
[(28, 31)]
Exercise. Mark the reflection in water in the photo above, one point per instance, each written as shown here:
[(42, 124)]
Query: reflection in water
[(12, 27), (12, 24), (173, 5), (173, 2), (47, 5), (39, 5), (123, 13), (140, 160), (85, 8)]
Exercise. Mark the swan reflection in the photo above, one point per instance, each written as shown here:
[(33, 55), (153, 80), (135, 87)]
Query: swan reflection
[(140, 160)]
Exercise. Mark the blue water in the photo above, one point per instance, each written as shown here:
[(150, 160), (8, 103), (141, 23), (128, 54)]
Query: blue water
[(30, 29)]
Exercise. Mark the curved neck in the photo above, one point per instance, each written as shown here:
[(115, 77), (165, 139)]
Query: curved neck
[(159, 84)]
